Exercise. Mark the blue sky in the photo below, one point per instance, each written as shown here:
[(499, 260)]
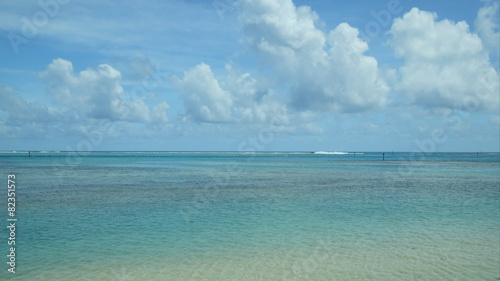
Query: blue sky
[(250, 75)]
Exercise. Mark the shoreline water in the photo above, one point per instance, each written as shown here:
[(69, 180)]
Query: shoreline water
[(187, 216)]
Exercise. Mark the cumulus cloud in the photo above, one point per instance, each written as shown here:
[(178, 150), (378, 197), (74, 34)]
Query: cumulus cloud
[(487, 26), (94, 93), (235, 97), (445, 65), (159, 113), (315, 71), (204, 99), (326, 72), (253, 102), (20, 118), (81, 102), (20, 110)]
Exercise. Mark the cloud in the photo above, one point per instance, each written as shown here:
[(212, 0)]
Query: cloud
[(495, 121), (487, 26), (106, 28), (159, 114), (317, 72), (236, 97), (20, 110), (445, 65), (23, 119), (95, 93), (203, 97), (326, 72), (81, 102), (254, 102), (371, 128)]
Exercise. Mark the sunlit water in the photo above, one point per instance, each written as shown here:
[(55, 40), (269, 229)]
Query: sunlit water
[(264, 216)]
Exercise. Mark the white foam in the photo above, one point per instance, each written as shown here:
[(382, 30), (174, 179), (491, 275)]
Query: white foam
[(331, 152)]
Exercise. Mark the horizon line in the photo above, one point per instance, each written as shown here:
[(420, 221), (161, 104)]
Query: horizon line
[(236, 151)]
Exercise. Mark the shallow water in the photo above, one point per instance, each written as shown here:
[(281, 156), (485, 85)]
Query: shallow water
[(264, 216)]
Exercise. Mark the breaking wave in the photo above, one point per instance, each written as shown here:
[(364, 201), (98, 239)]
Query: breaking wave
[(331, 152)]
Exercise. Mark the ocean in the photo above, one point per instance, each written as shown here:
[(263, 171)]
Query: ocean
[(252, 216)]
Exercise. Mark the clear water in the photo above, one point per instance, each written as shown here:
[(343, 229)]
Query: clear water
[(264, 216)]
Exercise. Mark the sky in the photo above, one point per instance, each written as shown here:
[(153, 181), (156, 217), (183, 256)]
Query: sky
[(250, 75)]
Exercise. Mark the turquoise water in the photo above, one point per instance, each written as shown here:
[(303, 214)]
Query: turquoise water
[(263, 216)]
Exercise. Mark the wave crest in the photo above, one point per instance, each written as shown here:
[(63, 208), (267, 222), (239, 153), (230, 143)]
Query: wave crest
[(331, 152)]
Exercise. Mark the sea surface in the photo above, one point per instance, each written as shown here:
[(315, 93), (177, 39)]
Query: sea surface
[(253, 216)]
